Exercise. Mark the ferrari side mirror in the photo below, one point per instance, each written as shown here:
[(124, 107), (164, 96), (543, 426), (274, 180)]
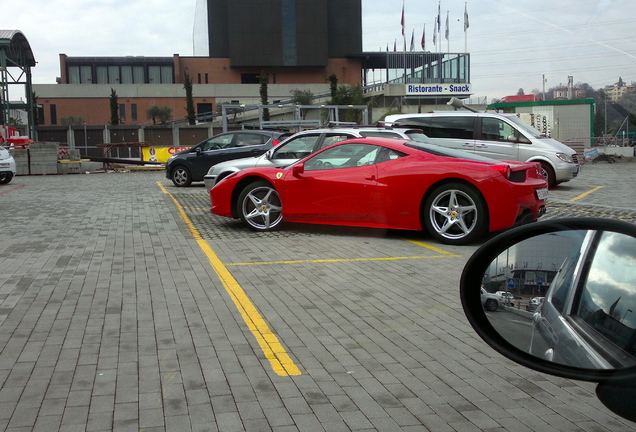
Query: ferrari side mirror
[(298, 169), (567, 291)]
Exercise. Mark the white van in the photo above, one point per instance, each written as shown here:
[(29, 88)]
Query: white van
[(498, 136)]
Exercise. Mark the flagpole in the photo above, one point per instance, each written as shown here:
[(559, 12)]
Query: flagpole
[(404, 40), (466, 27)]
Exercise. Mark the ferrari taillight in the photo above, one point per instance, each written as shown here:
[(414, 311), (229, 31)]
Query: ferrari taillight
[(275, 142), (504, 170)]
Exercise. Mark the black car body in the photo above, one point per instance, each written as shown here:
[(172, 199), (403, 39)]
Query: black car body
[(191, 165)]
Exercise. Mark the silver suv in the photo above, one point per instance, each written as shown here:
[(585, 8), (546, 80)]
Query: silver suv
[(303, 144)]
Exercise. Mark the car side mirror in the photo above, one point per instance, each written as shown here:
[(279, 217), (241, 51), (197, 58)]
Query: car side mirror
[(512, 139), (198, 151), (269, 153), (585, 326), (298, 169)]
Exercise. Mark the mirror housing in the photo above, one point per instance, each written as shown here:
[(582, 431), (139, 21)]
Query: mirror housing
[(298, 169), (617, 387), (471, 283)]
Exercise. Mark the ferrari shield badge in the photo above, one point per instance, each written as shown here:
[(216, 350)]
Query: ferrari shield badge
[(279, 175)]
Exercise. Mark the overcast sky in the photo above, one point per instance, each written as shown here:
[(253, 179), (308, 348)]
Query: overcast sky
[(512, 43)]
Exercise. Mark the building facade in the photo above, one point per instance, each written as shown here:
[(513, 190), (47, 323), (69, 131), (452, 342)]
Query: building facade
[(296, 44)]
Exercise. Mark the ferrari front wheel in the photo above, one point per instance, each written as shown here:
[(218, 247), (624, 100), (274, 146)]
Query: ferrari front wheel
[(455, 213), (260, 207)]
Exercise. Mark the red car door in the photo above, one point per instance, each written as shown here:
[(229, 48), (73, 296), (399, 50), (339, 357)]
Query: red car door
[(335, 185)]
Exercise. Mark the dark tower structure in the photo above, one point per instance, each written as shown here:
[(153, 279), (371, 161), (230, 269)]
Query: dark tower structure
[(284, 33)]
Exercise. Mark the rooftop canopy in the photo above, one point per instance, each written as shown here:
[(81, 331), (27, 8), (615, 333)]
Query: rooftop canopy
[(17, 49)]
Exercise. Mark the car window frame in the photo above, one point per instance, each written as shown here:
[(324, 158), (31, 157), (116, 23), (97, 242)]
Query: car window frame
[(308, 163), (275, 151)]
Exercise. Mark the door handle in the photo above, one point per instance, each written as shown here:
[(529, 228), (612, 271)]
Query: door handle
[(372, 178), (468, 144)]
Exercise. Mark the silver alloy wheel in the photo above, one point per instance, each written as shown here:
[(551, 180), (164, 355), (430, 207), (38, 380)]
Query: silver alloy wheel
[(260, 206), (181, 177), (453, 214)]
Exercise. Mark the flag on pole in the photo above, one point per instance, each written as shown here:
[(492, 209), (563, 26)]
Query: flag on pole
[(413, 41), (466, 25), (402, 18), (439, 18), (446, 34), (435, 33), (424, 38)]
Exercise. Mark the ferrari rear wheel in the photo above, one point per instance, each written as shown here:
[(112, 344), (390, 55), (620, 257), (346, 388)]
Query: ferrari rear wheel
[(260, 207), (455, 214)]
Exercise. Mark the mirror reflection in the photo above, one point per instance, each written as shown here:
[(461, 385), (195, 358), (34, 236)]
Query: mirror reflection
[(567, 297)]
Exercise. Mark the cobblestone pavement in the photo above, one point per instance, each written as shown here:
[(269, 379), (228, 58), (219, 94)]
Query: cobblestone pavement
[(116, 313)]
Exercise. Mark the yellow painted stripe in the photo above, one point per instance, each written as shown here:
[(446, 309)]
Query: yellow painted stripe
[(442, 254), (586, 193), (273, 350), (335, 260), (433, 248)]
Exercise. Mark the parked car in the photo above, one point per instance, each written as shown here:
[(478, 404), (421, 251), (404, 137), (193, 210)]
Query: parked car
[(7, 166), (534, 303), (498, 136), (305, 143), (191, 165), (490, 301), (388, 183), (507, 297)]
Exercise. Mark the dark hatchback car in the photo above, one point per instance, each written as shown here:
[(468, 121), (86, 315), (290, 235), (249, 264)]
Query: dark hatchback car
[(191, 165)]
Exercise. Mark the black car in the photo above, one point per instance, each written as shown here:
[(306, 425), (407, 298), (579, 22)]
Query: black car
[(191, 165)]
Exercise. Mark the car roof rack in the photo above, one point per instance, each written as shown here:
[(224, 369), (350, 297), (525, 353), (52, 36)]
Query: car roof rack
[(333, 124)]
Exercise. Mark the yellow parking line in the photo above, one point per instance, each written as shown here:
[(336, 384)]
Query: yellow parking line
[(440, 254), (273, 350), (433, 248), (334, 260), (586, 193)]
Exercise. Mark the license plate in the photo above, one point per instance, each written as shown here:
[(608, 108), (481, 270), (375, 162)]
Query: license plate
[(542, 194), (4, 165)]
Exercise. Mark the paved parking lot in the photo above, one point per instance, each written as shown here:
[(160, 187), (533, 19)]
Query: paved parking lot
[(126, 305)]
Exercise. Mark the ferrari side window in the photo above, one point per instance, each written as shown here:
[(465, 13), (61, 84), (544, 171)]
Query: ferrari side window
[(387, 154)]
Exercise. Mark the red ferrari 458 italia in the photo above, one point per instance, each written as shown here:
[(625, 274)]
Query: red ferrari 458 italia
[(388, 183)]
